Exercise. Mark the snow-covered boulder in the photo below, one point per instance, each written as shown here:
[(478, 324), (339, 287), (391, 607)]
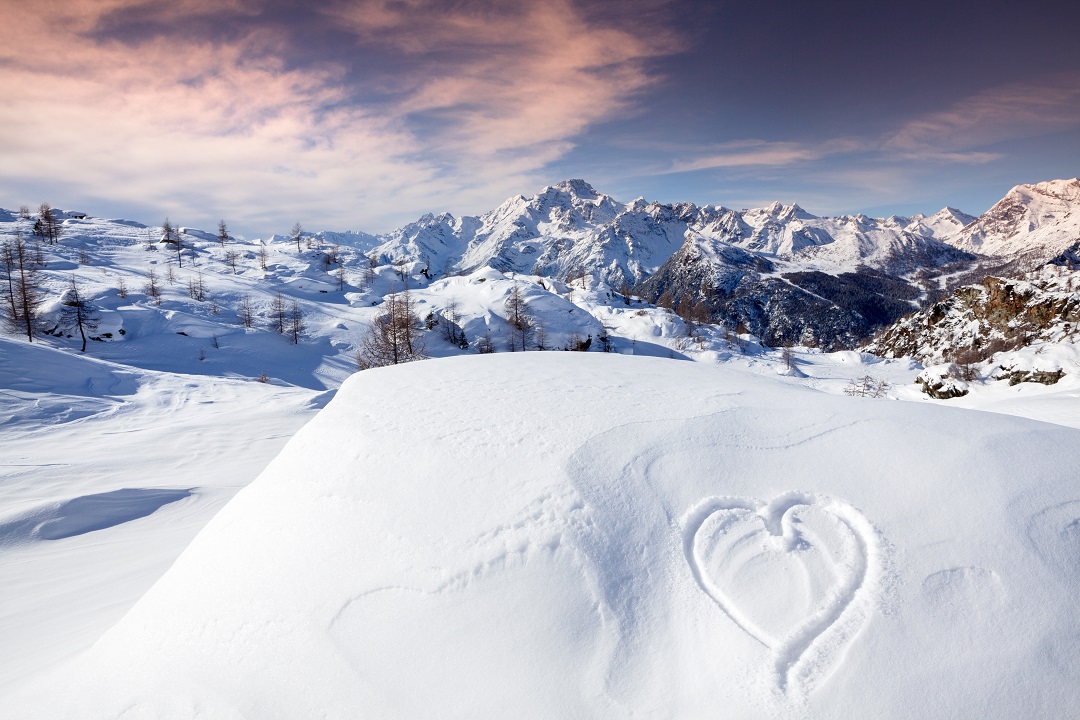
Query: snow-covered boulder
[(942, 382)]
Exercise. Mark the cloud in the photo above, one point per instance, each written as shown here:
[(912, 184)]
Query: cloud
[(951, 136), (1000, 113), (479, 99), (508, 79), (760, 153)]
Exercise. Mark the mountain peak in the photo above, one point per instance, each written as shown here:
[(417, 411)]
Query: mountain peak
[(576, 188)]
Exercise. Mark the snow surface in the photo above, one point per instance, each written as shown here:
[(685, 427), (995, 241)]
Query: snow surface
[(113, 460), (594, 535), (1040, 220)]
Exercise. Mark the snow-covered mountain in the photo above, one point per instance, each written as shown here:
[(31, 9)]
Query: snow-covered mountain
[(942, 224), (569, 228), (1038, 221)]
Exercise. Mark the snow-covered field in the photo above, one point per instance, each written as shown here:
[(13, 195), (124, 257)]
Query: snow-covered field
[(591, 535), (538, 534)]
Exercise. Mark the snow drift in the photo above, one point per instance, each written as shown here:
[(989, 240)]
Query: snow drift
[(587, 535)]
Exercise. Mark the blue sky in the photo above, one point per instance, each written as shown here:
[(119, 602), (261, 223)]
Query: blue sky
[(365, 114)]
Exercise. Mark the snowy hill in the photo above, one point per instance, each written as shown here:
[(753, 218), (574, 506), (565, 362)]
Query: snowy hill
[(568, 535), (1037, 220)]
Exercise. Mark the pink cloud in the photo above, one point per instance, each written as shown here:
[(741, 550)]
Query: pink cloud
[(191, 125)]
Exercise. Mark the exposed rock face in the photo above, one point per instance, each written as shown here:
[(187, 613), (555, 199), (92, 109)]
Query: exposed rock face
[(977, 321), (1044, 377), (805, 307), (942, 382)]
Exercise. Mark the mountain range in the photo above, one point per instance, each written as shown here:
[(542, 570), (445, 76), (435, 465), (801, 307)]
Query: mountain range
[(779, 271)]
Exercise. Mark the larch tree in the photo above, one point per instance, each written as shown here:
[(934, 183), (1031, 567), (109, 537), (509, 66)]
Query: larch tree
[(245, 311), (296, 322), (77, 314), (50, 225), (277, 307), (393, 337), (296, 233), (520, 321), (22, 284), (170, 234), (152, 288), (222, 232)]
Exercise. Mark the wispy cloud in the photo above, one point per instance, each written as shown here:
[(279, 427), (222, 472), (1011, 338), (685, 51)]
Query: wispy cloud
[(1000, 113), (760, 153), (516, 81), (957, 135), (486, 96)]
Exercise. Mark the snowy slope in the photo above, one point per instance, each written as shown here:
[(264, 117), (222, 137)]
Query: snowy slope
[(1039, 220), (583, 535), (106, 473)]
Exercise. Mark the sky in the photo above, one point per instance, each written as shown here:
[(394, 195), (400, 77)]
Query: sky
[(366, 114)]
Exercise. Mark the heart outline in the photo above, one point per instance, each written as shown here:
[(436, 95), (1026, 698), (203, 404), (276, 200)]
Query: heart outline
[(837, 615)]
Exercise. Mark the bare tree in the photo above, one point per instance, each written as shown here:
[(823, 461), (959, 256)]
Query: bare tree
[(50, 224), (121, 287), (452, 322), (246, 311), (484, 345), (296, 233), (152, 288), (277, 307), (171, 235), (222, 232), (22, 284), (788, 356), (231, 256), (24, 212), (170, 274), (340, 276), (264, 256), (393, 337), (296, 322), (519, 319), (78, 314), (197, 287)]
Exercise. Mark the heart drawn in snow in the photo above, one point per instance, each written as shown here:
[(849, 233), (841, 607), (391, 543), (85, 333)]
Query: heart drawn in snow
[(792, 573)]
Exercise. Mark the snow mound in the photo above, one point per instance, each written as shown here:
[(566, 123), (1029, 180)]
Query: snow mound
[(596, 535)]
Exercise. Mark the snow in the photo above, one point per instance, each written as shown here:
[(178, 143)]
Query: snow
[(537, 534), (106, 473), (566, 534), (1039, 220)]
